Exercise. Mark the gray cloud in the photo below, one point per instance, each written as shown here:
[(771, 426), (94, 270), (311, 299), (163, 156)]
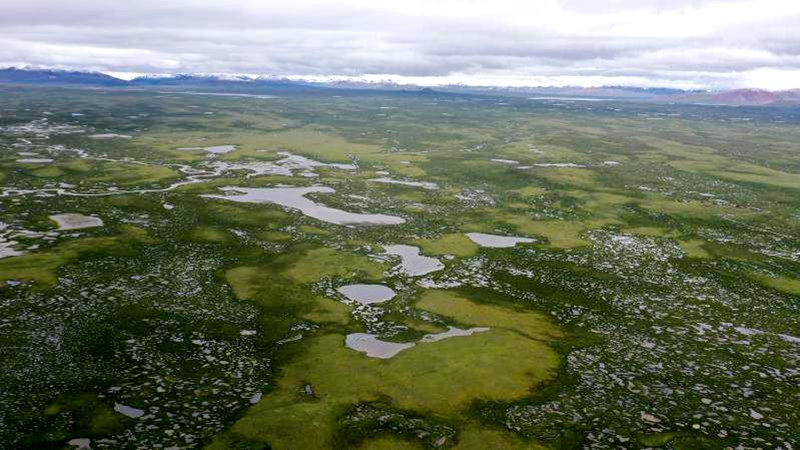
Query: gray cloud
[(646, 42)]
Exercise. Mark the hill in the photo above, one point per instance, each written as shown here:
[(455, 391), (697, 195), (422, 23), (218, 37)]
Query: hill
[(13, 75)]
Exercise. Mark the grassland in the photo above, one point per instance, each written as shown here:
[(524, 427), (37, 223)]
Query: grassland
[(656, 307), (439, 379)]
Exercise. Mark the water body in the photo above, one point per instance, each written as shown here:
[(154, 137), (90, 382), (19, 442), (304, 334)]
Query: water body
[(72, 221), (129, 411), (367, 294), (291, 161), (215, 149), (220, 149), (255, 168), (7, 243), (495, 241), (293, 198), (452, 332), (35, 160), (62, 191), (80, 443), (42, 127), (194, 176), (284, 166), (423, 184), (7, 246), (411, 262), (504, 161), (7, 249), (110, 136), (374, 347), (558, 165)]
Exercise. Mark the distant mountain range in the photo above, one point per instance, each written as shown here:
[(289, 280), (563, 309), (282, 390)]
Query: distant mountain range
[(12, 75), (745, 97), (235, 83), (96, 79)]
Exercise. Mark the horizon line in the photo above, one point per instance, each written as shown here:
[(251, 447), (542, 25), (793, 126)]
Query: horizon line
[(375, 79)]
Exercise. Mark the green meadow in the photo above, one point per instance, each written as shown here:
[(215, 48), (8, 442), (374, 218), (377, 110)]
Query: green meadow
[(652, 301)]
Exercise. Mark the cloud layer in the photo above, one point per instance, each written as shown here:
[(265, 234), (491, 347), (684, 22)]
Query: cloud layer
[(679, 43)]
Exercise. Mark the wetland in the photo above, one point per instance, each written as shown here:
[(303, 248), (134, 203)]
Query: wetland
[(375, 270)]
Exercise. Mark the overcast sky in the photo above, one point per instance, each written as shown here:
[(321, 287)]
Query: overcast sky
[(676, 43)]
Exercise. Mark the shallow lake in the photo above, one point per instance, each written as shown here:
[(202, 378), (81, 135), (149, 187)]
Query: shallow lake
[(374, 347), (411, 262), (293, 198), (128, 411), (423, 184), (496, 241), (110, 136), (452, 332), (35, 160), (73, 221), (367, 294), (216, 149)]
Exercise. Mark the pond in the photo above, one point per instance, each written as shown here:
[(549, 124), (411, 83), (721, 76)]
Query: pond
[(294, 198), (367, 294), (411, 262), (496, 241)]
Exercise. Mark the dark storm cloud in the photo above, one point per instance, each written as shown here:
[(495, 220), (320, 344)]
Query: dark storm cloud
[(646, 42)]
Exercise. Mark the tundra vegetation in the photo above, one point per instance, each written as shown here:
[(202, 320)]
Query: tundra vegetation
[(529, 274)]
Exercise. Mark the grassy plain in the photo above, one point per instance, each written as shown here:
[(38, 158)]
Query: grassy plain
[(659, 295)]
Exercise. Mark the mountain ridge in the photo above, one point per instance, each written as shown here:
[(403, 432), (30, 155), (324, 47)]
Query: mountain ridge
[(55, 76), (737, 97)]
